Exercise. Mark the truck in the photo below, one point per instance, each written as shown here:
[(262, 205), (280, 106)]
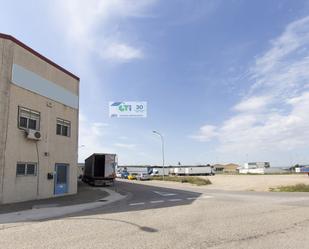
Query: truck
[(100, 169), (158, 171), (201, 170), (193, 170), (178, 171)]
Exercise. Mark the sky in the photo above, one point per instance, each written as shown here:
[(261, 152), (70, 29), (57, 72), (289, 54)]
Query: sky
[(224, 81)]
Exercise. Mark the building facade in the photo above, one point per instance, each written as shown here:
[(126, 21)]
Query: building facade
[(226, 168), (230, 168), (39, 103), (255, 168)]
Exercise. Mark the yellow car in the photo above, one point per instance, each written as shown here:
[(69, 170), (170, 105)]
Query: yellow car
[(131, 177)]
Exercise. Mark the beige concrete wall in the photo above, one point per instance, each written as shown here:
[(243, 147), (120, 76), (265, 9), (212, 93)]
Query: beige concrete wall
[(31, 62), (60, 149), (230, 169)]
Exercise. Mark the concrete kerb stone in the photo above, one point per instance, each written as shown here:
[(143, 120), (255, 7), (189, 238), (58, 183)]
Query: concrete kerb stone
[(53, 212)]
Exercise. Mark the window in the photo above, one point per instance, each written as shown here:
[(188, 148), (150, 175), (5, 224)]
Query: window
[(63, 127), (21, 169), (28, 119), (30, 169), (26, 169)]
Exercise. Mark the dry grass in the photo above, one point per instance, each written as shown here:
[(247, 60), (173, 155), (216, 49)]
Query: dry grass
[(184, 179), (291, 188)]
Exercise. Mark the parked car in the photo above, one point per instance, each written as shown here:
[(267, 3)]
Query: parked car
[(118, 174), (143, 176), (124, 175), (131, 177)]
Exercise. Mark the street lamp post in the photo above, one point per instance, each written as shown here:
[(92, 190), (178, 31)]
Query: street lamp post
[(162, 140)]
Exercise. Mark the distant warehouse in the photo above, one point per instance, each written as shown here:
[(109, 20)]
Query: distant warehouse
[(168, 170), (254, 168), (227, 168), (38, 125)]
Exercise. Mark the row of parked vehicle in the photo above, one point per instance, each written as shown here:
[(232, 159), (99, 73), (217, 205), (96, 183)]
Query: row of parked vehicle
[(133, 176)]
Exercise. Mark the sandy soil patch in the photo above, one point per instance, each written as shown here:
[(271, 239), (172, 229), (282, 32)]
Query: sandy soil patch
[(254, 182)]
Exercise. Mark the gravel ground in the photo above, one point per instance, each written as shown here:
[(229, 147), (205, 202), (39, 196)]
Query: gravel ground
[(254, 182)]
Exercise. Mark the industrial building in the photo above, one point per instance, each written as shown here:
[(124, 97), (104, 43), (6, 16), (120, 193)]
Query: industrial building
[(254, 168), (167, 170), (230, 168), (301, 168), (39, 105)]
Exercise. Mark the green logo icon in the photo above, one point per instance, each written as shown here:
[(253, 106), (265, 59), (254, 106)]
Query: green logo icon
[(123, 108)]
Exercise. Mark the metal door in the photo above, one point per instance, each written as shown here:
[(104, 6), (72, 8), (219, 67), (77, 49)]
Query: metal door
[(61, 178)]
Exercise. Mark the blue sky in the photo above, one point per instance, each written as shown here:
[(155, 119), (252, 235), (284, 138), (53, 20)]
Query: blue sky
[(225, 81)]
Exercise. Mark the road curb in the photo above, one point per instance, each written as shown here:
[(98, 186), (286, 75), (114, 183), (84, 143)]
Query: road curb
[(53, 212)]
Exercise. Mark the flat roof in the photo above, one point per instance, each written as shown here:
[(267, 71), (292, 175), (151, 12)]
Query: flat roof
[(13, 39)]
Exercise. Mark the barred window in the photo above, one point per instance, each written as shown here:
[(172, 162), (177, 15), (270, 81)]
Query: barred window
[(63, 127), (28, 119), (30, 169), (26, 169), (21, 169)]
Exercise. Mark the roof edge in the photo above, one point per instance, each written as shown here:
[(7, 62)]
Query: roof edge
[(23, 45)]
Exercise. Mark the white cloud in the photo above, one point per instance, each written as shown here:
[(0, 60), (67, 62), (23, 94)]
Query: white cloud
[(90, 26), (285, 66), (91, 136), (255, 103), (206, 133), (272, 120), (125, 145), (121, 52)]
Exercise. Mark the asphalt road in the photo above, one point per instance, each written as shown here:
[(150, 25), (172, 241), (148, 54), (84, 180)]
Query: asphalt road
[(173, 215)]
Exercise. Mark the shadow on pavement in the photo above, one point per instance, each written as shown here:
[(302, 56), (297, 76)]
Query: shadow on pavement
[(150, 196), (137, 197), (142, 197), (85, 194)]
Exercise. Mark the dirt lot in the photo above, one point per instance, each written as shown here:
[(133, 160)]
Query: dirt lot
[(254, 182)]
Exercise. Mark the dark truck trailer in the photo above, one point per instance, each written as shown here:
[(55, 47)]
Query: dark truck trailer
[(100, 169)]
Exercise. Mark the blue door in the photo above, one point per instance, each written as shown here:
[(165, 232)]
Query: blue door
[(61, 178)]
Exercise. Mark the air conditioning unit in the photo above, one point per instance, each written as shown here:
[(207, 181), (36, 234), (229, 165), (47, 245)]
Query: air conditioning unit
[(33, 134)]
